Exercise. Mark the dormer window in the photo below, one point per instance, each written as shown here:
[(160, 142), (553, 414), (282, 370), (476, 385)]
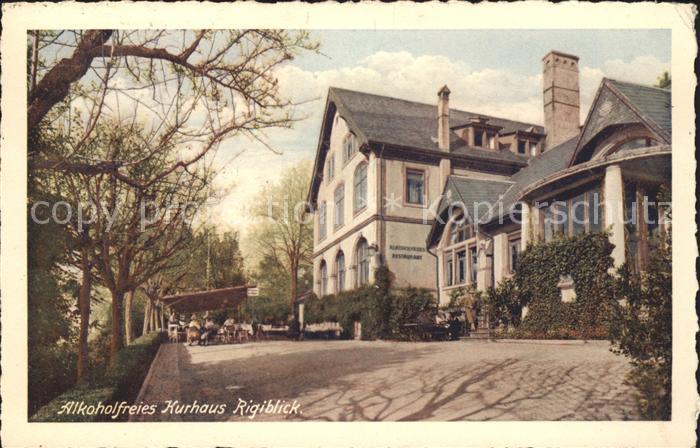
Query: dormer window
[(522, 147), (478, 132), (478, 138)]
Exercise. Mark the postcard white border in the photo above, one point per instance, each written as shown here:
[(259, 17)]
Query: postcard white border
[(18, 18)]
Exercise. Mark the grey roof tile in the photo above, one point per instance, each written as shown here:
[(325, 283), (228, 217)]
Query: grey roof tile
[(543, 165), (411, 124), (476, 195), (653, 102)]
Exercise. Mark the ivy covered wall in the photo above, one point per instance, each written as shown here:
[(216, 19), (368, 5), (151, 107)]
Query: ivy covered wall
[(586, 258)]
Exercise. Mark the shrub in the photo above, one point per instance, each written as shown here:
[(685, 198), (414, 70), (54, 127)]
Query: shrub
[(502, 304), (641, 330), (120, 383), (586, 258), (408, 305), (380, 308)]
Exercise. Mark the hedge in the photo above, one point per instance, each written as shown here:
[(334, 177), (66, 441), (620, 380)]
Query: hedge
[(121, 382), (380, 308)]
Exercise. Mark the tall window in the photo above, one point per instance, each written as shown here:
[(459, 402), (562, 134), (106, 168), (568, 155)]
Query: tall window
[(560, 217), (415, 187), (473, 265), (578, 214), (340, 269), (461, 266), (521, 147), (595, 211), (338, 215), (324, 278), (330, 168), (449, 269), (322, 221), (582, 213), (478, 138), (349, 147), (514, 253), (360, 191), (362, 262)]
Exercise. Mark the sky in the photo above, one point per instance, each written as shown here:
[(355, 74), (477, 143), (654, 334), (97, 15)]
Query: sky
[(496, 72)]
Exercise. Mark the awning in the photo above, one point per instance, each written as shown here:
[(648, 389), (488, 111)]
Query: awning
[(212, 300)]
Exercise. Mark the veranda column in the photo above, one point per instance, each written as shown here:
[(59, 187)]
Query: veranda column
[(525, 225), (613, 196)]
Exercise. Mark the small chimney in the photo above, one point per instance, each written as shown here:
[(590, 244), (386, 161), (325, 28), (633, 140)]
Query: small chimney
[(444, 119), (561, 97)]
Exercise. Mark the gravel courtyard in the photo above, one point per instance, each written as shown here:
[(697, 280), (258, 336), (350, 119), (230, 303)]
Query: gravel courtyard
[(354, 380)]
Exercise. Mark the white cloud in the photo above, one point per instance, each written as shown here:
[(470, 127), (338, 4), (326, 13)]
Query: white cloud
[(497, 91)]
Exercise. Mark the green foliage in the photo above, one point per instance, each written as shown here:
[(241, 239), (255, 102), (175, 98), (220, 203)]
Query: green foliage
[(586, 258), (664, 81), (265, 309), (225, 261), (51, 294), (120, 383), (502, 304), (408, 306), (380, 308), (642, 329)]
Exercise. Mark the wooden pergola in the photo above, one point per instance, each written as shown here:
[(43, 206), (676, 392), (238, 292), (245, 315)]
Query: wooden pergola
[(211, 300)]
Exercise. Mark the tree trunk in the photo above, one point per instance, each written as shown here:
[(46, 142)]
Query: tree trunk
[(152, 318), (117, 342), (84, 307), (128, 331), (146, 313), (293, 286)]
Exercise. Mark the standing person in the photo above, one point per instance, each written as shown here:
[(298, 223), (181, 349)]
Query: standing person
[(455, 327), (294, 328), (471, 312), (193, 328)]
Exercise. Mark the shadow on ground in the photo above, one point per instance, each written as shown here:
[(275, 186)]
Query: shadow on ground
[(399, 382)]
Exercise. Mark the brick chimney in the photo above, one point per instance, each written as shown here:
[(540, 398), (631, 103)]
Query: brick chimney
[(444, 119), (561, 97)]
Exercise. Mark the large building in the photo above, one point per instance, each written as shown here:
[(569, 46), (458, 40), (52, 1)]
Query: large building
[(447, 198)]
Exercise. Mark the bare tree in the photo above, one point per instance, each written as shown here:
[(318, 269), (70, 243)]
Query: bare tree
[(284, 232), (194, 88)]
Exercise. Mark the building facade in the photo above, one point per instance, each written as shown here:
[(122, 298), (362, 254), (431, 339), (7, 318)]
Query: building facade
[(447, 198)]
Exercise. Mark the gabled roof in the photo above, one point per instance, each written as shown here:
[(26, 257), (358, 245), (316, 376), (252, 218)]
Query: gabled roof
[(618, 103), (467, 192), (653, 102)]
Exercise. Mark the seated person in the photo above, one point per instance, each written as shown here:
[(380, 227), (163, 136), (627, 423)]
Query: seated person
[(210, 329), (194, 323), (230, 322)]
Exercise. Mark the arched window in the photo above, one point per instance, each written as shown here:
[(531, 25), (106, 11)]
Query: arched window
[(340, 272), (349, 147), (360, 191), (362, 255), (324, 278), (460, 230)]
